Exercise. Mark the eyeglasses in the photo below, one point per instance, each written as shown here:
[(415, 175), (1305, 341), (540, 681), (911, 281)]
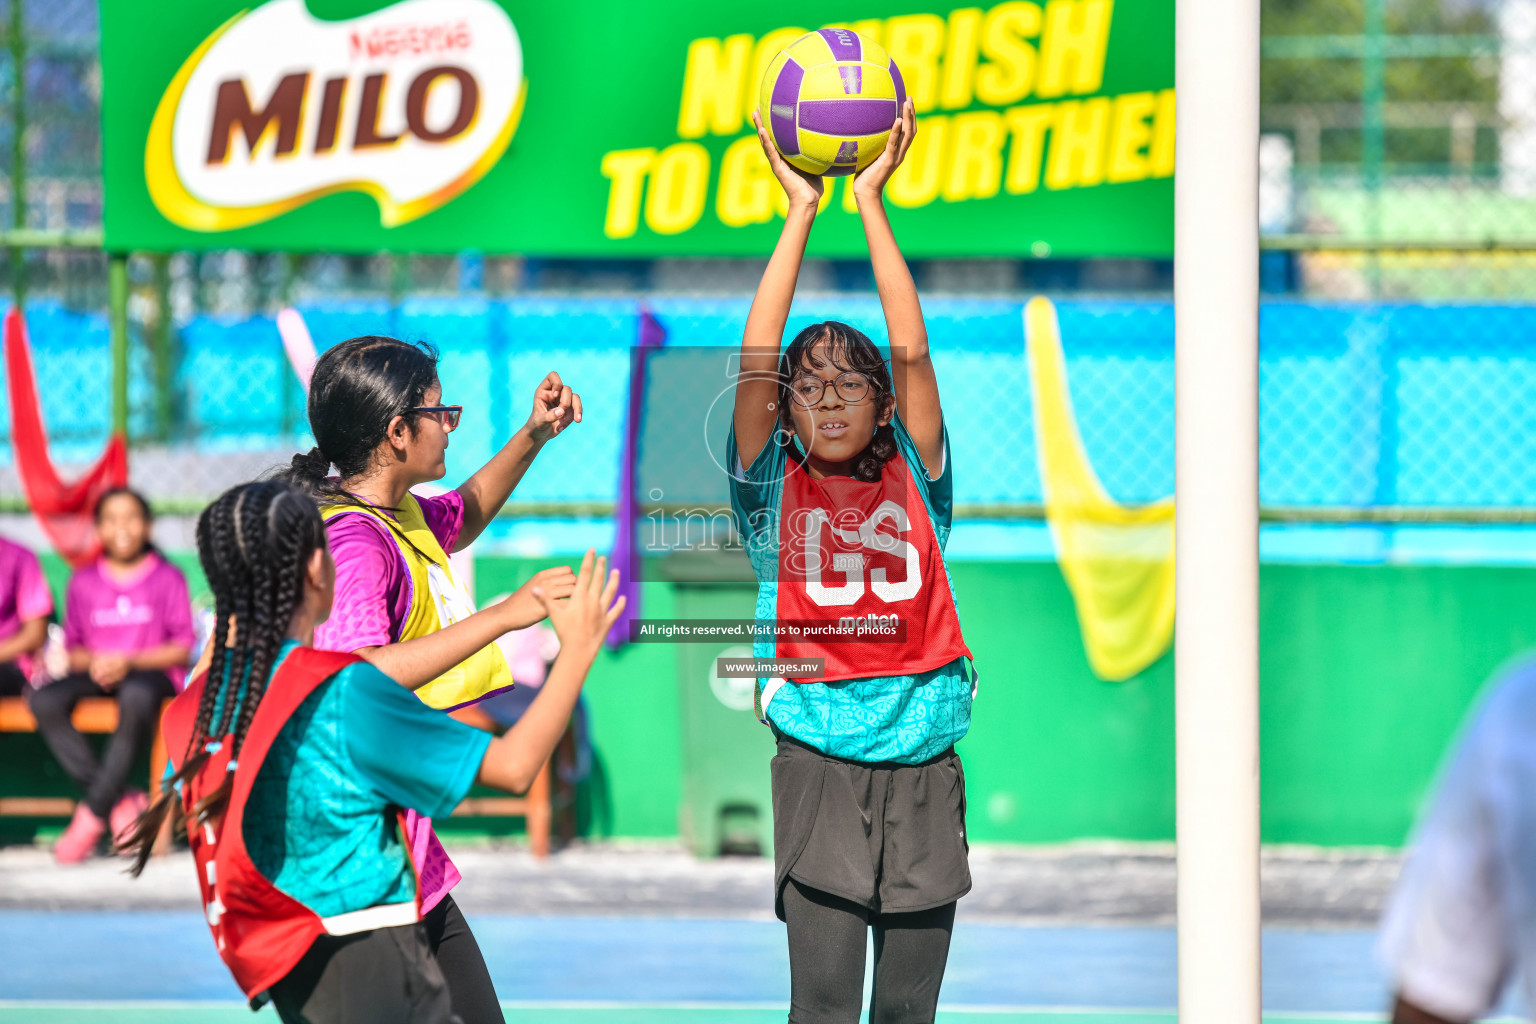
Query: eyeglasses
[(808, 391), (447, 415)]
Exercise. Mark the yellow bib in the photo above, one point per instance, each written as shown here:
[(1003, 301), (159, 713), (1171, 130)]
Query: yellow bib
[(437, 601)]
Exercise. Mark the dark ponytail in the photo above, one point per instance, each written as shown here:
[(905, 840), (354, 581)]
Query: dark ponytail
[(357, 388), (847, 348), (255, 543), (309, 470)]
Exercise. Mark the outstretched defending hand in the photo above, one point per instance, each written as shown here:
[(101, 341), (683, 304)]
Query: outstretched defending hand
[(582, 620), (803, 189), (555, 407), (870, 182), (522, 609)]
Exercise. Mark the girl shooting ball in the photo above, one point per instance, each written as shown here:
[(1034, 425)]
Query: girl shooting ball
[(844, 495), (290, 778)]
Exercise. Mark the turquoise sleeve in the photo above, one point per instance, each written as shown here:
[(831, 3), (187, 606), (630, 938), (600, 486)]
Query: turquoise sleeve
[(938, 491), (754, 488), (411, 755)]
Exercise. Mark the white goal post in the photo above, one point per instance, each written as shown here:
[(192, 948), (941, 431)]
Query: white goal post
[(1216, 252)]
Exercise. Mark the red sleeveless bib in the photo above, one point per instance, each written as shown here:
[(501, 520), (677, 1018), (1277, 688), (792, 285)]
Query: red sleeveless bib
[(261, 932), (862, 556)]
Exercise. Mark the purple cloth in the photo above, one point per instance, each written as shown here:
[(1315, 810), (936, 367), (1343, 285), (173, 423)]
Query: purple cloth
[(373, 599), (626, 515), (373, 586), (107, 613), (24, 594)]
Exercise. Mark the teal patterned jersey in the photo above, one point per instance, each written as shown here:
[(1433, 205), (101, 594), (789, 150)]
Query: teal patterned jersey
[(319, 823), (907, 719)]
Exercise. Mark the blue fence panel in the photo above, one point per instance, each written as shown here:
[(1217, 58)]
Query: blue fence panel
[(1359, 403)]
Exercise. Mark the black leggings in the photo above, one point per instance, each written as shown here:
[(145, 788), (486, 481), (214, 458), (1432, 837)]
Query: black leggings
[(458, 954), (13, 681), (427, 973), (826, 959), (138, 708)]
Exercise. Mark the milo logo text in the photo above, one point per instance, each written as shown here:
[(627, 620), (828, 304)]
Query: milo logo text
[(411, 105), (283, 113)]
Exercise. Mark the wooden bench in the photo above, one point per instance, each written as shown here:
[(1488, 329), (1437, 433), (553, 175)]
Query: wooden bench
[(536, 807), (99, 715), (92, 715)]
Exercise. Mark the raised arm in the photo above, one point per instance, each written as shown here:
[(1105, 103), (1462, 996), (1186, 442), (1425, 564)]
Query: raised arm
[(555, 406), (582, 621), (918, 388), (757, 388), (414, 663)]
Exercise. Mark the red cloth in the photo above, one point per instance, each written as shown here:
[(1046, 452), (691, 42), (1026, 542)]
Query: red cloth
[(260, 931), (855, 550), (66, 510)]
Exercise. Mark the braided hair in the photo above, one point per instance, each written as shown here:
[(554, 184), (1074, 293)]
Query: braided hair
[(255, 543), (847, 348)]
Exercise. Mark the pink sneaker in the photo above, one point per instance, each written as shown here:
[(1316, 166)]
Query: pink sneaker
[(126, 811), (79, 840)]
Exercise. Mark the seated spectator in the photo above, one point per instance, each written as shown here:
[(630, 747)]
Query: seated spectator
[(128, 627), (1461, 923), (26, 605)]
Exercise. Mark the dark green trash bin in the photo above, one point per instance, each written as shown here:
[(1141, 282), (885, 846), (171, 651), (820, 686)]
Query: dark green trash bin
[(726, 798)]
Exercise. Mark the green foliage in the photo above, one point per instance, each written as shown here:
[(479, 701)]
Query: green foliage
[(1332, 80)]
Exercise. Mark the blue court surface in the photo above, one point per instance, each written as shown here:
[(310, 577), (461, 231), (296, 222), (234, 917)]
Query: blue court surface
[(144, 967)]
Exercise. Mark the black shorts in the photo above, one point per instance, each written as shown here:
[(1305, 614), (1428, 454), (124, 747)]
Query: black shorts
[(383, 976), (888, 836)]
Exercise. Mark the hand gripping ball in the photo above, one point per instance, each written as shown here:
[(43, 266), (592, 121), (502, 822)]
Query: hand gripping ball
[(829, 100)]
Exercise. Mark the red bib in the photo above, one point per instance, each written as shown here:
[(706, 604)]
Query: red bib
[(261, 932), (864, 556)]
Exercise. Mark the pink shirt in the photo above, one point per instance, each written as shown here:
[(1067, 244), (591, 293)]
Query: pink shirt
[(24, 594), (373, 599), (373, 586), (106, 613)]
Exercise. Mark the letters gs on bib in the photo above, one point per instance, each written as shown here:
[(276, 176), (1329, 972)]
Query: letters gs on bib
[(411, 104), (896, 577)]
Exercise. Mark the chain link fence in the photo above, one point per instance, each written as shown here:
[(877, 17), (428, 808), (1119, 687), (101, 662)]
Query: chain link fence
[(1361, 404), (1398, 201), (1399, 154)]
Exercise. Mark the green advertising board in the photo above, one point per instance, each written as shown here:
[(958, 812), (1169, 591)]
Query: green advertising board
[(597, 128)]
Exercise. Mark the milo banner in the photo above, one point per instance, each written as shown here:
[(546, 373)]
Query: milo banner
[(602, 128)]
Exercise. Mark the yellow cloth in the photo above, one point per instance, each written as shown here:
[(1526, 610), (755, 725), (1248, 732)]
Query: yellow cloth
[(1118, 561), (437, 601)]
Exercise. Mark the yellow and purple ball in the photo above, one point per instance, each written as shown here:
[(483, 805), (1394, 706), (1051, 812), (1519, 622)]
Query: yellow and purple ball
[(829, 100)]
